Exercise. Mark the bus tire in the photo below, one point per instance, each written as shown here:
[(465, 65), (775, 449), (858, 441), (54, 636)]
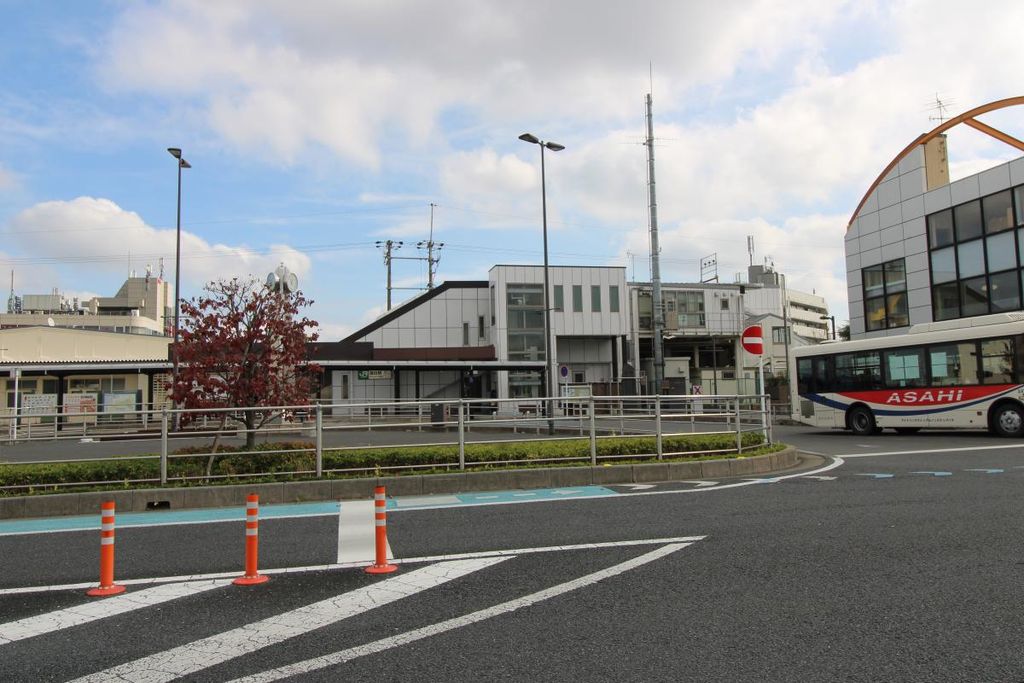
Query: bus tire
[(861, 421), (1007, 420)]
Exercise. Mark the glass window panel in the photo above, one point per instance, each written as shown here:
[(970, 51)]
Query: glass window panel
[(613, 298), (946, 301), (821, 382), (998, 212), (968, 220), (940, 228), (1003, 292), (973, 297), (895, 276), (996, 361), (904, 368), (1018, 198), (595, 298), (944, 265), (874, 282), (953, 364), (1002, 252), (803, 376), (896, 312), (577, 298), (559, 298), (874, 313), (971, 259), (858, 371)]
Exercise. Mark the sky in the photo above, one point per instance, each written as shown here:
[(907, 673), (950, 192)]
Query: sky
[(317, 129)]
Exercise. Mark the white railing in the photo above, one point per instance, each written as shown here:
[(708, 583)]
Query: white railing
[(385, 426)]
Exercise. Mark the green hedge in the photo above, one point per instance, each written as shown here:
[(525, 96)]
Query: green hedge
[(229, 464)]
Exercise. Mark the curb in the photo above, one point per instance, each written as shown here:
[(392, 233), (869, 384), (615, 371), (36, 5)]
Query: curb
[(140, 500)]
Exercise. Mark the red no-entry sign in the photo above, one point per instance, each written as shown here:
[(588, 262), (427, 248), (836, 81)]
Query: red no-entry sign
[(753, 340)]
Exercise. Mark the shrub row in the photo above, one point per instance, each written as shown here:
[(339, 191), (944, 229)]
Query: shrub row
[(299, 456)]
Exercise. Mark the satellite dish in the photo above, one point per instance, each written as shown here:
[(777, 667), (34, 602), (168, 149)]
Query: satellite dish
[(272, 281), (49, 321), (292, 283)]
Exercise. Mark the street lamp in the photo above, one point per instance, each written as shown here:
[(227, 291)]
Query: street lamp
[(176, 153), (833, 319), (548, 374)]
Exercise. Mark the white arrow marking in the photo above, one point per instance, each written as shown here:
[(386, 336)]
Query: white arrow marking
[(383, 644), (819, 477), (566, 492), (700, 483), (639, 487), (987, 471), (186, 660)]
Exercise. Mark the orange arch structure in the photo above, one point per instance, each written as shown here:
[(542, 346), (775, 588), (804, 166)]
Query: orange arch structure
[(967, 118)]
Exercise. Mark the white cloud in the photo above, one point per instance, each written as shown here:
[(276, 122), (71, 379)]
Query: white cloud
[(100, 233)]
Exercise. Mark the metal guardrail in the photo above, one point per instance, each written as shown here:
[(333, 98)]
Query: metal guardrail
[(392, 425)]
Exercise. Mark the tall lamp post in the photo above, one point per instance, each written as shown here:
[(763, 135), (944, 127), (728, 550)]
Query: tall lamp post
[(176, 153), (833, 319), (548, 374)]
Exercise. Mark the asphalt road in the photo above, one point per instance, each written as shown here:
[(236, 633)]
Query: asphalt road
[(903, 562)]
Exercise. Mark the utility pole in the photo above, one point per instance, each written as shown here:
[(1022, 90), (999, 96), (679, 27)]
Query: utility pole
[(658, 314), (389, 246), (430, 245)]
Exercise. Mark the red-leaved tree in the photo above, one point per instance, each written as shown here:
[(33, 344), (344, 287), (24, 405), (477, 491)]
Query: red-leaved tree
[(243, 345)]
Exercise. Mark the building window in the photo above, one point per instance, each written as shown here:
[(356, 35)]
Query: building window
[(779, 335), (465, 334), (885, 295), (577, 298), (525, 322), (725, 304), (595, 298), (559, 298), (613, 298), (691, 309), (480, 323), (976, 256)]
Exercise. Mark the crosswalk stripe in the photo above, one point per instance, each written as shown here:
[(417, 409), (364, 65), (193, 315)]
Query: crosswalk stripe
[(216, 649), (101, 609), (383, 644)]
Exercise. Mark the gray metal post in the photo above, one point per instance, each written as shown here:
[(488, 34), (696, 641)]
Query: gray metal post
[(657, 424), (739, 434), (462, 437), (319, 441), (163, 445), (593, 433)]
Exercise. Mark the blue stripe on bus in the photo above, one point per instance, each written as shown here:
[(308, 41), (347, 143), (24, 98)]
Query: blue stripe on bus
[(831, 403)]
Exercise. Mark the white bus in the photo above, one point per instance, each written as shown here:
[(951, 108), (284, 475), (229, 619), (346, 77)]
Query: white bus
[(947, 375)]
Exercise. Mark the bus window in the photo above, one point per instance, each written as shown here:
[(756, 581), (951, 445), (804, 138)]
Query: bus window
[(858, 371), (953, 364), (904, 368), (804, 378), (996, 361), (821, 381)]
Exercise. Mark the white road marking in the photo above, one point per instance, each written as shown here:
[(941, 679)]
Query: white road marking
[(818, 477), (101, 609), (383, 644), (960, 449), (206, 652), (354, 565), (356, 532), (699, 482)]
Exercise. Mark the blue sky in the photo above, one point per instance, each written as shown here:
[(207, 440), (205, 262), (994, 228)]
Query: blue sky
[(317, 128)]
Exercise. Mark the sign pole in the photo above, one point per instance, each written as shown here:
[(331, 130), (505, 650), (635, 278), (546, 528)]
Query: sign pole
[(752, 341)]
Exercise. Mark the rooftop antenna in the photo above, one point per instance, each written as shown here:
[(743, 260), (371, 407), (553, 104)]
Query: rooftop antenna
[(941, 108), (10, 299), (750, 248)]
